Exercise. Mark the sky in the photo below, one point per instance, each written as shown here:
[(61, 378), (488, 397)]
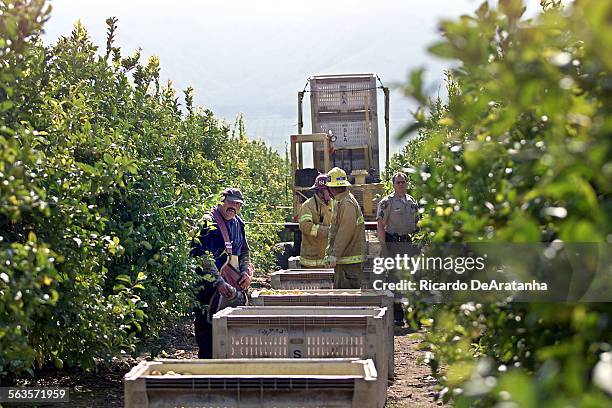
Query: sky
[(252, 57)]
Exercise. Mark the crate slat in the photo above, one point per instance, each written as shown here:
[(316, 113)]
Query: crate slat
[(335, 297), (302, 279)]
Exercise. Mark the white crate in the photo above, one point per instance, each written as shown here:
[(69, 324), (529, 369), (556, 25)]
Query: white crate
[(303, 332), (347, 106), (350, 129), (302, 279), (343, 93), (253, 383), (374, 247), (336, 297), (294, 262), (352, 135)]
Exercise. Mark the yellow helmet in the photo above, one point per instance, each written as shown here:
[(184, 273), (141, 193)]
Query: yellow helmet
[(336, 177)]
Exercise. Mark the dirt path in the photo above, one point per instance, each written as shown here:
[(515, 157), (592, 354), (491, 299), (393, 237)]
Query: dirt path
[(413, 386)]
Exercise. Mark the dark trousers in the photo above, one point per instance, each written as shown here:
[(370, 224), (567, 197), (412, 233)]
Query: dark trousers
[(203, 329), (397, 238), (398, 245), (398, 311)]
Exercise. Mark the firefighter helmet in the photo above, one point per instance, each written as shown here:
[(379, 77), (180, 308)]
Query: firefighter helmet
[(320, 182), (336, 177)]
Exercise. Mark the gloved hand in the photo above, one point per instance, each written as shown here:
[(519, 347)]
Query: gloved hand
[(225, 289), (330, 261), (245, 280)]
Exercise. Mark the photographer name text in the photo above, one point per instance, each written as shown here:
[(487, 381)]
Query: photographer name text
[(474, 285)]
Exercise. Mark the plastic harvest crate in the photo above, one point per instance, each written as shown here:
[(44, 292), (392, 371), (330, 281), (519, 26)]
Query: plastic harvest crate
[(347, 106), (294, 262), (350, 129), (343, 93), (303, 332), (303, 279), (335, 297), (252, 383), (354, 133)]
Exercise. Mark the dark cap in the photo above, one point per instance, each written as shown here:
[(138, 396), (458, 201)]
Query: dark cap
[(233, 194)]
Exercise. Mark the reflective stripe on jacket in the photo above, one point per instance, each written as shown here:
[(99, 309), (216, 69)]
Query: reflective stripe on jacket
[(347, 241), (313, 218), (312, 263)]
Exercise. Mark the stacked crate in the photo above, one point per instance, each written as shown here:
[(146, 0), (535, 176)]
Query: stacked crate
[(342, 338), (346, 105), (304, 332)]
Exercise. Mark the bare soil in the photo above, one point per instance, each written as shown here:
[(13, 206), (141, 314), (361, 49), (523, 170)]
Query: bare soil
[(413, 386)]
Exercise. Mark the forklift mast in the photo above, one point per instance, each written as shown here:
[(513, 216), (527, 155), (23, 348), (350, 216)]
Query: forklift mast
[(344, 119)]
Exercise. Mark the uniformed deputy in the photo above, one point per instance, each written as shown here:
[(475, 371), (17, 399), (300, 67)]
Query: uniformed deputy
[(314, 218), (397, 213), (397, 216)]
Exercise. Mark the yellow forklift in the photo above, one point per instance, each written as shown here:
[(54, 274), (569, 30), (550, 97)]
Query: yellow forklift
[(344, 119)]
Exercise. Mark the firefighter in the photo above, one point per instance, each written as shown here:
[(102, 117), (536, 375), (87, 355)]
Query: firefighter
[(397, 216), (314, 218), (346, 244)]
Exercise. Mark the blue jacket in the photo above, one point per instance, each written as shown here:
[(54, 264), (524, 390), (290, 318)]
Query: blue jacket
[(210, 242)]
